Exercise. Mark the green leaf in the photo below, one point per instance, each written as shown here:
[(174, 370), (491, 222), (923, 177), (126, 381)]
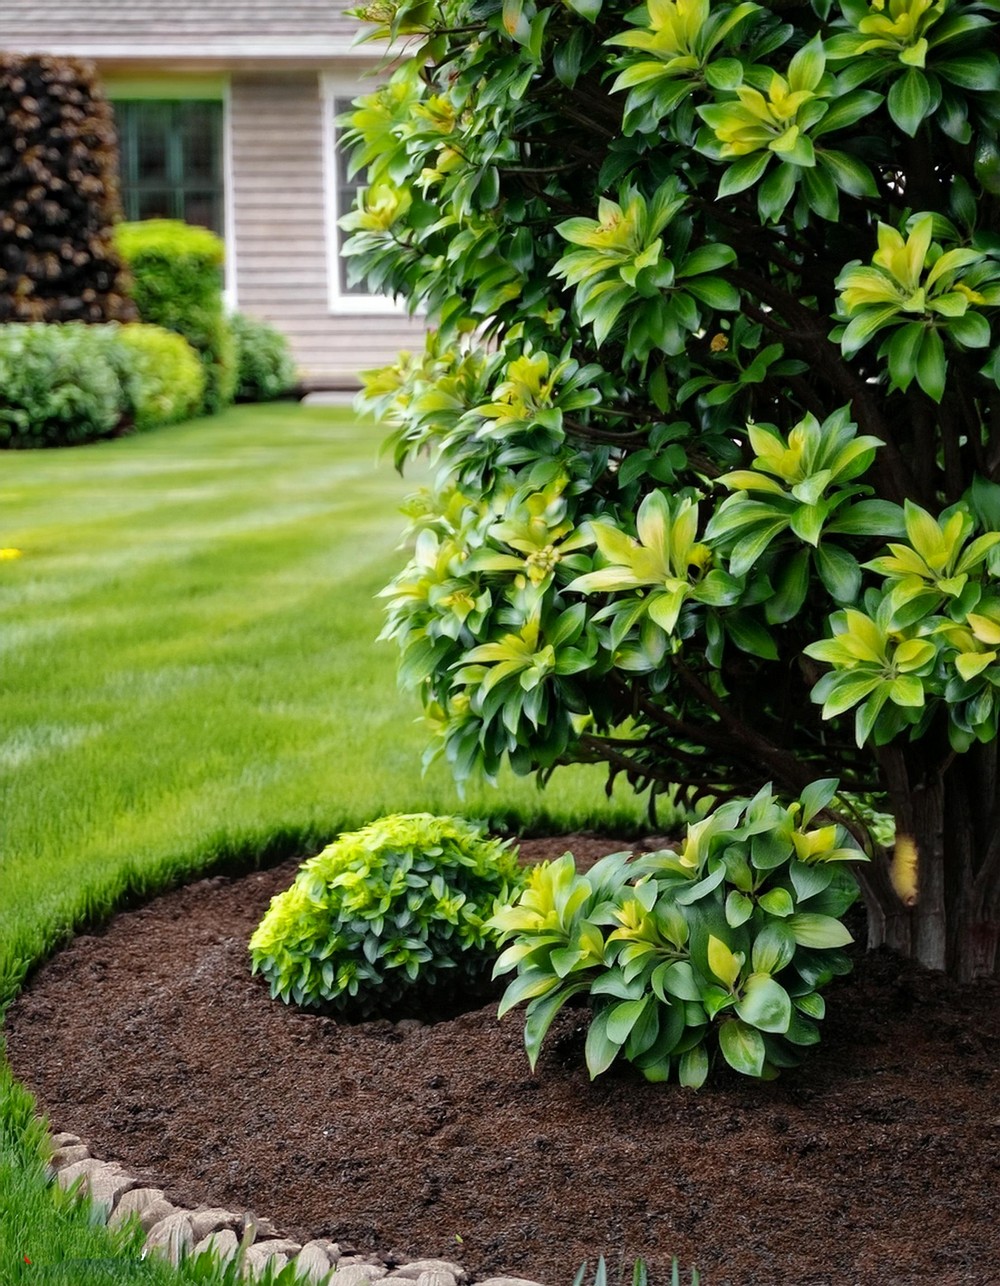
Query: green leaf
[(589, 9), (676, 979), (850, 175), (622, 1018), (750, 636), (777, 902), (722, 962), (739, 908), (692, 1067), (816, 796), (775, 192), (932, 366), (840, 573), (773, 947), (742, 1047), (743, 173), (539, 1016), (600, 1051), (765, 1004), (811, 930), (910, 100)]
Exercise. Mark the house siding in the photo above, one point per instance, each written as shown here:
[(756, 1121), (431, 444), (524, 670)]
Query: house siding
[(279, 229), (147, 28)]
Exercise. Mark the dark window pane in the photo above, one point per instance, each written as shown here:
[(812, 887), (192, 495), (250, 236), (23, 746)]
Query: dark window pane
[(152, 135), (153, 203), (200, 139), (171, 161)]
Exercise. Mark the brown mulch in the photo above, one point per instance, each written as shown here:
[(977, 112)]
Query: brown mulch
[(876, 1162)]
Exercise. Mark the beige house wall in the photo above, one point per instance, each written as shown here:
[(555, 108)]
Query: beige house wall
[(277, 62)]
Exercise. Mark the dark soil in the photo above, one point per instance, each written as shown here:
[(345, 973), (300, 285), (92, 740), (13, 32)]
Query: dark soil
[(876, 1162)]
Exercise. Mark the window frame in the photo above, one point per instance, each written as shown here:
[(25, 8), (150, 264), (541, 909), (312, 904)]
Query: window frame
[(338, 86)]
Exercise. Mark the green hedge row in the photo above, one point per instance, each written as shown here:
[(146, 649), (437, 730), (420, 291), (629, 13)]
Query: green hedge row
[(62, 384)]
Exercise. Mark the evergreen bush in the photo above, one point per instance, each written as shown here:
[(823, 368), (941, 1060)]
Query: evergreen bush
[(177, 283), (264, 363)]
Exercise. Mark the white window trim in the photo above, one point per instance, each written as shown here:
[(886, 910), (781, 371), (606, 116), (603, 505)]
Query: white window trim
[(230, 292), (342, 85)]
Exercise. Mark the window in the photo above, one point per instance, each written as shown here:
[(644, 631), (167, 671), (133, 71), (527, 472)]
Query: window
[(339, 92), (347, 190), (171, 160)]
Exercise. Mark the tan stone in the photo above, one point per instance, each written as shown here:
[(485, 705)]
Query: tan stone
[(148, 1203), (357, 1274), (107, 1185), (65, 1140), (313, 1263), (65, 1156), (223, 1245), (437, 1277), (211, 1218), (82, 1169), (275, 1253), (171, 1237), (508, 1281), (415, 1267)]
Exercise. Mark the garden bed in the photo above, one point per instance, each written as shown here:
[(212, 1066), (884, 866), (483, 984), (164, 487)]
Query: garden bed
[(876, 1161)]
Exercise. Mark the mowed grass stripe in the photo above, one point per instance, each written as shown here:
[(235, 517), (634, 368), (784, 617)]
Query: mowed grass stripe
[(188, 670)]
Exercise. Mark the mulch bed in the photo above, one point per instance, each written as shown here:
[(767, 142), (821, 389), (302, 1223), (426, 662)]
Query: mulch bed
[(878, 1161)]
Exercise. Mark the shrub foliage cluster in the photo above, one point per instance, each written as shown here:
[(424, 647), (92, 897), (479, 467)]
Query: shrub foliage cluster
[(719, 502), (387, 918), (177, 284), (58, 195), (264, 363), (63, 384)]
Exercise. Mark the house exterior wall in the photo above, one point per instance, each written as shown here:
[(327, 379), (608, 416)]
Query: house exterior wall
[(278, 62), (280, 223), (199, 28)]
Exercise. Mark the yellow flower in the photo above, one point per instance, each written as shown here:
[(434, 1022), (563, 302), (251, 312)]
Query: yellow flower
[(8, 555)]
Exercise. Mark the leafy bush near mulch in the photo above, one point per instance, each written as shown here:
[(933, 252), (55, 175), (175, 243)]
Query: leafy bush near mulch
[(62, 384), (177, 283), (393, 914), (265, 368), (727, 941)]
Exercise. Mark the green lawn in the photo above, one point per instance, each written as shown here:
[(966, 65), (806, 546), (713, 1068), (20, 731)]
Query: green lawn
[(189, 681)]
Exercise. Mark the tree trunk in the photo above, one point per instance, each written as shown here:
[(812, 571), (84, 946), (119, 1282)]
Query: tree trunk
[(950, 919)]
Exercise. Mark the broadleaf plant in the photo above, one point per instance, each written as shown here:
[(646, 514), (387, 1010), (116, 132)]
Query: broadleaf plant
[(721, 946), (710, 398)]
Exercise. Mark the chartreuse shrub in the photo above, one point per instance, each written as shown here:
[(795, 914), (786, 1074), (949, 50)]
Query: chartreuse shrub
[(62, 384), (391, 915), (177, 283), (162, 375), (738, 267), (724, 944), (265, 368)]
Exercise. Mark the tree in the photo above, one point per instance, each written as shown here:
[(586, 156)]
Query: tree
[(713, 395)]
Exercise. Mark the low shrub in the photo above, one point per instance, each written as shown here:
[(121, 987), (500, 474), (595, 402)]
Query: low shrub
[(725, 943), (390, 917), (265, 368), (59, 385), (177, 283), (63, 384), (162, 376)]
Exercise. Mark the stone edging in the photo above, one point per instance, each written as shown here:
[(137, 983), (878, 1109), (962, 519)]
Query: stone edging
[(175, 1233)]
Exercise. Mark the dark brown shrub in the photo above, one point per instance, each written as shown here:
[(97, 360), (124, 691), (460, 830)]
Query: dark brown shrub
[(58, 194)]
